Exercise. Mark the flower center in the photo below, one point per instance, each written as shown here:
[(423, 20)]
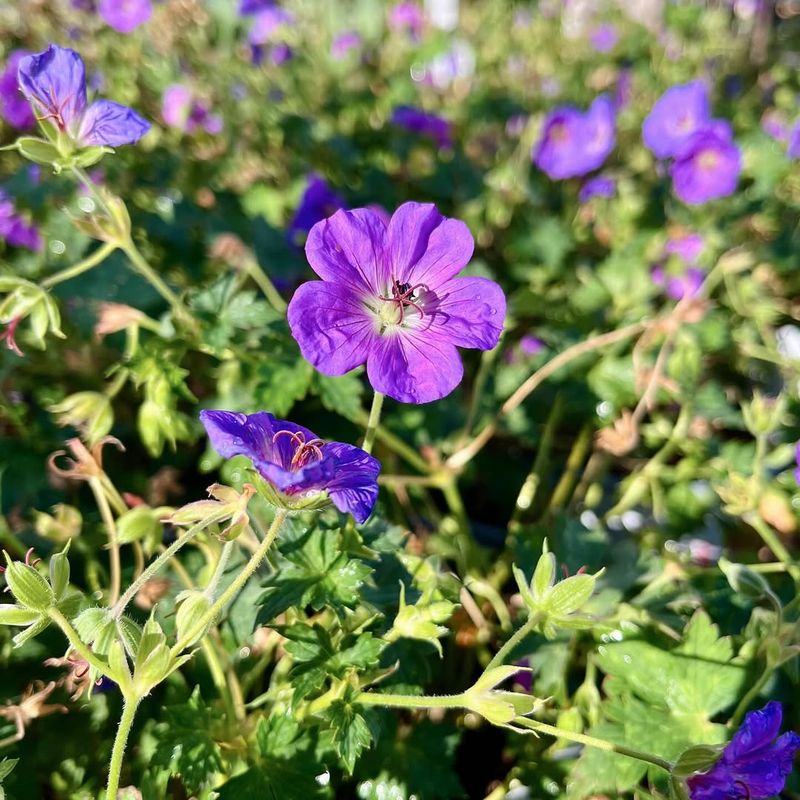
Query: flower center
[(708, 160), (393, 309), (305, 451)]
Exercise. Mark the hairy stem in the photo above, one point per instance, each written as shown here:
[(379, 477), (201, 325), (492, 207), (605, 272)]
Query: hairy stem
[(120, 742), (75, 641), (508, 647), (262, 280), (113, 543), (372, 422), (92, 260)]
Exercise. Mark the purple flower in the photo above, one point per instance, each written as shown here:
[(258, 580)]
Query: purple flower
[(125, 16), (318, 202), (55, 84), (793, 148), (754, 764), (575, 142), (707, 166), (599, 186), (14, 108), (687, 247), (303, 470), (14, 229), (530, 345), (431, 125), (181, 110), (407, 17), (604, 38), (677, 287), (679, 113), (389, 297), (344, 43), (774, 125), (250, 7), (797, 461), (269, 24)]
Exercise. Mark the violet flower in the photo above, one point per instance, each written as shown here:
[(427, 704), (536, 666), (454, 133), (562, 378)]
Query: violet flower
[(774, 125), (269, 24), (797, 462), (14, 229), (707, 166), (389, 297), (754, 764), (318, 202), (679, 113), (181, 110), (302, 469), (677, 287), (430, 125), (54, 82), (249, 7), (124, 16), (599, 186), (793, 148), (604, 38), (407, 17), (575, 142), (344, 43), (14, 108)]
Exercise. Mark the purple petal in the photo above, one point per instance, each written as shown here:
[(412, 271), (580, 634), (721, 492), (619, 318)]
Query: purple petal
[(706, 168), (425, 247), (332, 326), (55, 83), (756, 732), (348, 249), (676, 115), (793, 148), (468, 312), (111, 124), (124, 16), (14, 107), (176, 104), (354, 487), (414, 367)]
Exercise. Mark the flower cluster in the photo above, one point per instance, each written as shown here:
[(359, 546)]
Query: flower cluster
[(679, 274), (422, 122), (705, 160)]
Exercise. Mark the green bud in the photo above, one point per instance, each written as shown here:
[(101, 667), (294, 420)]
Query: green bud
[(153, 669), (140, 523), (31, 631), (544, 575), (14, 615), (419, 621), (39, 151), (89, 156), (29, 588), (90, 412), (570, 594), (190, 624), (118, 664), (59, 572), (762, 414), (699, 758), (744, 580), (498, 707), (150, 428), (63, 524)]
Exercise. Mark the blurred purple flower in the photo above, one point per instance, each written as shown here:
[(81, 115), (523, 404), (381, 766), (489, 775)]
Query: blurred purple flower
[(318, 202), (431, 125), (249, 7), (124, 16), (773, 123), (181, 110), (515, 125), (676, 116), (797, 462), (344, 43), (598, 186), (297, 463), (707, 166), (793, 148), (678, 286), (389, 297), (754, 764), (604, 38), (14, 108), (14, 229), (575, 142), (269, 23), (530, 345), (55, 84), (687, 247), (407, 17), (624, 89), (280, 54)]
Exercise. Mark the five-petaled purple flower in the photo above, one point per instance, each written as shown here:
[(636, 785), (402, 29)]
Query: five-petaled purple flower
[(14, 229), (599, 186), (55, 84), (679, 113), (417, 121), (707, 166), (318, 202), (389, 297), (124, 16), (575, 142), (14, 108), (754, 764), (301, 467)]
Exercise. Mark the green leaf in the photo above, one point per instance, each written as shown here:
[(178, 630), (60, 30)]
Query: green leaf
[(38, 150), (341, 394), (351, 734), (282, 381)]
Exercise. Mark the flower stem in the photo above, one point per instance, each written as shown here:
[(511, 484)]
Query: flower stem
[(592, 741), (120, 741), (262, 280), (372, 422), (773, 542), (412, 701), (508, 647), (113, 543), (751, 695), (141, 266), (75, 641), (396, 444), (222, 562), (242, 578), (92, 260)]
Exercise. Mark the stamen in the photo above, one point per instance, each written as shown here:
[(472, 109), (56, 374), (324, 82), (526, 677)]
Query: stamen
[(305, 450), (403, 295)]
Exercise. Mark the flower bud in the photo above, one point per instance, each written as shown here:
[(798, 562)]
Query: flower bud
[(90, 412), (744, 580), (64, 524), (59, 572), (190, 622), (419, 621), (29, 588), (140, 524)]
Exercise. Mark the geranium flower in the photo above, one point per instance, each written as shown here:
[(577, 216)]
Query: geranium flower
[(793, 148), (344, 43), (181, 110), (55, 84), (598, 186), (754, 764), (679, 113), (575, 142), (303, 470), (389, 297), (604, 38), (124, 16), (407, 17), (707, 166), (318, 202), (14, 108), (417, 121), (14, 229)]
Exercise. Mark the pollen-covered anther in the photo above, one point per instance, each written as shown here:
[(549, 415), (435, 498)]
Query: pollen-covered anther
[(306, 450)]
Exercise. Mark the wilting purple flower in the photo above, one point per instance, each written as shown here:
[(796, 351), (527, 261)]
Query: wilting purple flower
[(389, 297), (793, 148), (124, 16), (575, 142), (676, 116), (598, 186), (604, 38), (301, 467), (407, 17), (55, 84), (344, 43), (707, 166), (269, 23), (14, 108), (181, 110), (318, 202), (677, 287), (687, 247), (754, 764), (14, 229), (431, 125)]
